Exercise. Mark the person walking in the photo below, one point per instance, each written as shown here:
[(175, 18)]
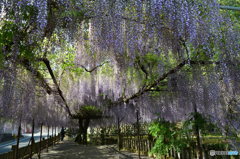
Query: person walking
[(62, 134)]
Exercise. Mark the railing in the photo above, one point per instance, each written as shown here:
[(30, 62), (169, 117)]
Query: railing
[(27, 151)]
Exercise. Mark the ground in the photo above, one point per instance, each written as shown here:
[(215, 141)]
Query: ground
[(70, 150)]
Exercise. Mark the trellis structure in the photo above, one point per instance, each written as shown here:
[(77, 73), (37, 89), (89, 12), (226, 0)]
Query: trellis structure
[(230, 8), (167, 57)]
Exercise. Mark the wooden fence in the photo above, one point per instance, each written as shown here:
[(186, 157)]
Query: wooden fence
[(132, 144), (27, 151)]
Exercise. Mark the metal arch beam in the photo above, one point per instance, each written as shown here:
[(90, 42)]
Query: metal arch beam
[(230, 8)]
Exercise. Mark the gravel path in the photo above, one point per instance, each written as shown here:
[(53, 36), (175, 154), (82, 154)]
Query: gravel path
[(70, 150)]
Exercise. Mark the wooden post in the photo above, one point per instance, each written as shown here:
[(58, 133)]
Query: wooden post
[(40, 147), (138, 133), (197, 133), (102, 135), (55, 135), (52, 137), (55, 130), (18, 139), (48, 138), (119, 134), (189, 153), (32, 139), (183, 154)]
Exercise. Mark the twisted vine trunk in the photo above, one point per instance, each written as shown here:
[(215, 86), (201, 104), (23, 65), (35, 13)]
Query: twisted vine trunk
[(79, 136), (82, 133)]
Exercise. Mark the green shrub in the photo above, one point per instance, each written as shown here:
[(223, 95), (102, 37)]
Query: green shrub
[(167, 136)]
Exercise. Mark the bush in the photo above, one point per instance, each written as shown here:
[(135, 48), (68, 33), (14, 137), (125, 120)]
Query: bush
[(166, 136)]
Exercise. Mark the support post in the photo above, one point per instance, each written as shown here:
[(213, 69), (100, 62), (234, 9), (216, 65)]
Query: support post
[(55, 135), (52, 137), (40, 146), (48, 138), (119, 134), (102, 135), (197, 132), (18, 140), (32, 140), (138, 133), (55, 131)]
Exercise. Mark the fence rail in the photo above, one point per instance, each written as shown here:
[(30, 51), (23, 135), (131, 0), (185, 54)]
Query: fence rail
[(25, 152)]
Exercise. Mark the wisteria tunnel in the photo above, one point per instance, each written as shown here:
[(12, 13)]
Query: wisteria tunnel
[(120, 79)]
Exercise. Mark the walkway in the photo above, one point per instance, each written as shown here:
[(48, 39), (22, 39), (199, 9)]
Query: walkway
[(70, 150)]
